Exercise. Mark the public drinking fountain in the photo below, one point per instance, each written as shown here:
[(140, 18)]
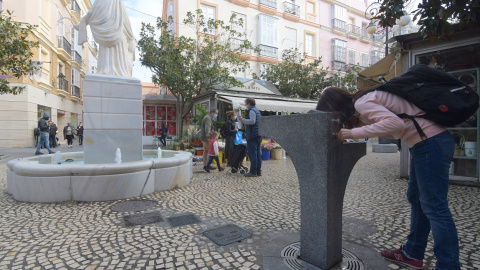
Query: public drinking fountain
[(323, 166)]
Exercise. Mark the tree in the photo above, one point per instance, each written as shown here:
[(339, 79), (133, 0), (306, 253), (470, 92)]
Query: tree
[(296, 76), (437, 18), (15, 51), (188, 66)]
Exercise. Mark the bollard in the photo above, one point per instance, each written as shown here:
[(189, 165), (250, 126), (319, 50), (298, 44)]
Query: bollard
[(323, 165)]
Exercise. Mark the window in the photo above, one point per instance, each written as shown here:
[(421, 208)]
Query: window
[(352, 60), (310, 11), (209, 13), (75, 83), (241, 25), (268, 35), (60, 25), (375, 56), (290, 40), (365, 59), (310, 44), (153, 116), (339, 50), (44, 73), (263, 67), (340, 17), (171, 13)]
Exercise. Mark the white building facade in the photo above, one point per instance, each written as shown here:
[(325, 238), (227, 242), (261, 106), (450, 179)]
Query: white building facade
[(333, 30), (57, 87)]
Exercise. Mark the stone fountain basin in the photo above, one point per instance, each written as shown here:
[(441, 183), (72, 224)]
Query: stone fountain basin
[(38, 179)]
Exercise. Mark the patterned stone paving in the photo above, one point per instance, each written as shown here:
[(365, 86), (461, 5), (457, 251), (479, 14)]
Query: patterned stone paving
[(91, 236)]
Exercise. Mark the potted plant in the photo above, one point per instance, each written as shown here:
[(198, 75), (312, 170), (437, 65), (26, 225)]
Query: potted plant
[(276, 153), (266, 148)]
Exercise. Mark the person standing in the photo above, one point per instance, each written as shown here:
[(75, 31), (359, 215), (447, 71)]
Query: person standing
[(68, 134), (254, 140), (53, 133), (206, 127), (213, 152), (375, 114), (230, 131), (80, 133), (44, 134), (163, 131)]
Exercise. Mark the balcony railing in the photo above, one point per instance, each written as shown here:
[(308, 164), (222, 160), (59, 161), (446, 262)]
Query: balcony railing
[(339, 66), (268, 51), (236, 46), (364, 34), (64, 44), (62, 83), (75, 91), (269, 3), (291, 8), (353, 29), (339, 24), (76, 7), (77, 57)]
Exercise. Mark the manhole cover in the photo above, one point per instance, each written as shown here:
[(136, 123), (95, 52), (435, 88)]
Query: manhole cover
[(290, 255), (134, 205), (143, 218), (183, 220), (226, 235)]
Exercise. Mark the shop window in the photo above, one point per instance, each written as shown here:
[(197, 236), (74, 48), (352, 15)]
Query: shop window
[(154, 115)]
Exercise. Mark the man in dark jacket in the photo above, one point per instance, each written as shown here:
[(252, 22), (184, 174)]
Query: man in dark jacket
[(53, 134), (254, 140), (44, 134), (80, 133)]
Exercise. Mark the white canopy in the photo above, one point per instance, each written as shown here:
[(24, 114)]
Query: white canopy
[(275, 105)]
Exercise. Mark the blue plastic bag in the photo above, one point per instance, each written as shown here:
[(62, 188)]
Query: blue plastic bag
[(238, 138)]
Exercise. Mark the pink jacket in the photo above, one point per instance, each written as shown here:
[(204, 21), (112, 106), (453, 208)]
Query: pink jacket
[(213, 147), (378, 110)]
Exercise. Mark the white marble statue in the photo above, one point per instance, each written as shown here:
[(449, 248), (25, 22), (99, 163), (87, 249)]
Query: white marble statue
[(111, 29)]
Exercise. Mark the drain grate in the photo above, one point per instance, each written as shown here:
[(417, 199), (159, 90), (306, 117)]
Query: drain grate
[(142, 219), (226, 235), (183, 220), (290, 255), (133, 205)]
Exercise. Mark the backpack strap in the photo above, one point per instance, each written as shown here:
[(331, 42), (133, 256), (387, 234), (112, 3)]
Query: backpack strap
[(417, 126)]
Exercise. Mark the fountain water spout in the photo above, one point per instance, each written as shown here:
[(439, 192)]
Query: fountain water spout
[(118, 156), (58, 157), (159, 152)]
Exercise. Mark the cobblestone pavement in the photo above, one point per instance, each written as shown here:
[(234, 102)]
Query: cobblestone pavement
[(76, 235)]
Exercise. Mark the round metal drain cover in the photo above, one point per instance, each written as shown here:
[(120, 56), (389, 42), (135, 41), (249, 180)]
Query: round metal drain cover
[(133, 205), (290, 255)]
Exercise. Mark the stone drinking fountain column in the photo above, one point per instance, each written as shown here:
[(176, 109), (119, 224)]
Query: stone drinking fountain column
[(323, 166)]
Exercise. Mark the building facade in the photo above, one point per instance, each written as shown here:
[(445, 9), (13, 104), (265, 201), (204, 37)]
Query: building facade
[(57, 86), (333, 30)]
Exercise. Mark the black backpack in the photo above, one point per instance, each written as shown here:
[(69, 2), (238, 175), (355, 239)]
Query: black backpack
[(36, 131), (445, 99)]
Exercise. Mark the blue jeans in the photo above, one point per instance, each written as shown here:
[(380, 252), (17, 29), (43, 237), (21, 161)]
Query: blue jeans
[(254, 148), (427, 194), (43, 138), (210, 160)]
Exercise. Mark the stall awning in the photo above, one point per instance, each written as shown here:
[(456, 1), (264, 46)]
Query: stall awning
[(274, 105)]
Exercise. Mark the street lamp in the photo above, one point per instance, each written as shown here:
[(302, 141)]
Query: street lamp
[(372, 11)]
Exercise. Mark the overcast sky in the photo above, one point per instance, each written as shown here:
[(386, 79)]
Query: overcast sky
[(137, 11)]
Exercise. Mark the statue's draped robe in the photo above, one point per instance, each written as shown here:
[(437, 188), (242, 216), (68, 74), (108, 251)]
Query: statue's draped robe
[(111, 29)]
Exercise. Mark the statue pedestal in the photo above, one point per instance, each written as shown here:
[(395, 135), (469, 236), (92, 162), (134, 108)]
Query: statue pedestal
[(112, 109)]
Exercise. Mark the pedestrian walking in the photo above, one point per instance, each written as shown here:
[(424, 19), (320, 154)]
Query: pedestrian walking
[(205, 128), (213, 152), (53, 134), (80, 133), (254, 140), (163, 131), (44, 134), (375, 114), (68, 134)]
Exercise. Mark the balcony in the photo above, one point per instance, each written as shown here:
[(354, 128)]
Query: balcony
[(291, 11), (75, 91), (75, 12), (78, 59), (62, 86), (268, 6), (268, 51), (64, 49), (339, 25), (353, 31), (364, 36), (340, 66)]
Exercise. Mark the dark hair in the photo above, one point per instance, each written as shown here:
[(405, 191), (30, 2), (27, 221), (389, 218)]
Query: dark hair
[(213, 110), (250, 101), (334, 99)]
